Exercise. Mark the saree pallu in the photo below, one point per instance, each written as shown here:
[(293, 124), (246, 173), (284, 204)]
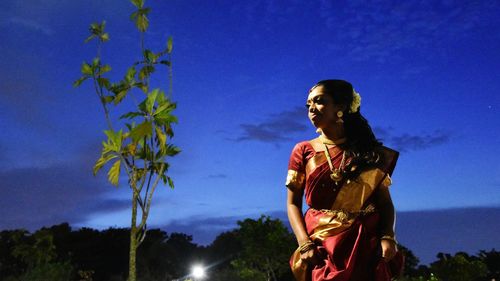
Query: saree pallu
[(347, 236)]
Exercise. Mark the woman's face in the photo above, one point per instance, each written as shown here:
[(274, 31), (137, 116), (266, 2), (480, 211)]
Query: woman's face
[(321, 110)]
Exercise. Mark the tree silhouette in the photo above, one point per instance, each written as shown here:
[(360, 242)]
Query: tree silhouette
[(460, 267), (266, 248)]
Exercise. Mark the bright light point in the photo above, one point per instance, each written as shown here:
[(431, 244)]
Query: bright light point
[(198, 272)]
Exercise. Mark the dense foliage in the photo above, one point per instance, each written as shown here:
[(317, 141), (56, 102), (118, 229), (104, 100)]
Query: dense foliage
[(255, 250)]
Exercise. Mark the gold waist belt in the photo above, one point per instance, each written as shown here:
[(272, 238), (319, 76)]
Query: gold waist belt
[(345, 215)]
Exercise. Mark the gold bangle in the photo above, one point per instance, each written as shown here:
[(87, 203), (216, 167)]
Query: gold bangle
[(306, 247), (389, 238)]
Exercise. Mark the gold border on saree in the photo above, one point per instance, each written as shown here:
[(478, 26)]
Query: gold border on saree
[(345, 215)]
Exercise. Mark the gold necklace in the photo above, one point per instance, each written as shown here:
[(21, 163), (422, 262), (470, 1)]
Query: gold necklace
[(336, 174), (326, 140)]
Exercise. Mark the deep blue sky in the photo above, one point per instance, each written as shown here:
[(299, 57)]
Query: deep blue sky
[(427, 72)]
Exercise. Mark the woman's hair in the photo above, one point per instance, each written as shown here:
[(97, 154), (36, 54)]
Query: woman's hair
[(361, 141)]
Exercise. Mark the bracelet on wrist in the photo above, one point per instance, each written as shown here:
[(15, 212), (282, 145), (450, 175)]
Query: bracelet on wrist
[(306, 247)]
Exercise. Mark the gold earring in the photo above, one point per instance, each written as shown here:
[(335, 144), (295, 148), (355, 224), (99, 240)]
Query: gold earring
[(339, 115)]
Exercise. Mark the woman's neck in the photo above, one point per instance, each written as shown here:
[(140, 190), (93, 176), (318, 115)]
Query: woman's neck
[(333, 133)]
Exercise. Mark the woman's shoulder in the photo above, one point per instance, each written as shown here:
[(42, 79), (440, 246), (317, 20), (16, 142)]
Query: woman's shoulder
[(303, 144), (388, 158), (303, 147)]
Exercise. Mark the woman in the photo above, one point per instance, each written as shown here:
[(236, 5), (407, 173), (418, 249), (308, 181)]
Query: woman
[(348, 231)]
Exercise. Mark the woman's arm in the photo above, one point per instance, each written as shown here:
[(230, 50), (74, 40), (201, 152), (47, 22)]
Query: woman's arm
[(387, 220), (296, 218)]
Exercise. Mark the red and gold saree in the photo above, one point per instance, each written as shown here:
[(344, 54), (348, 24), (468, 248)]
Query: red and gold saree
[(341, 220)]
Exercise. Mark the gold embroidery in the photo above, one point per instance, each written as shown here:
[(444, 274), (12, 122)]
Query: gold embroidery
[(387, 181), (353, 195), (314, 162), (294, 180)]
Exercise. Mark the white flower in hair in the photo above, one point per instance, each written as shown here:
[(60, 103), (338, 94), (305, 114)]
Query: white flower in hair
[(356, 102)]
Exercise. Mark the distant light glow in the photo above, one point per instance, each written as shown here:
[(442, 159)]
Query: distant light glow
[(198, 272)]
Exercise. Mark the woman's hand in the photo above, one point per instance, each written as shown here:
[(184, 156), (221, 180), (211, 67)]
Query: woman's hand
[(389, 249), (311, 257)]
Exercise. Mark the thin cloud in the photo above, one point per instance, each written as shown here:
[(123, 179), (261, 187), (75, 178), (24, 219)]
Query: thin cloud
[(109, 205), (35, 197), (276, 128), (384, 31), (217, 176), (205, 229), (32, 25), (408, 142), (264, 12)]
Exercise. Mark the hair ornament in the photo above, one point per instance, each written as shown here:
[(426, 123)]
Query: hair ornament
[(356, 102)]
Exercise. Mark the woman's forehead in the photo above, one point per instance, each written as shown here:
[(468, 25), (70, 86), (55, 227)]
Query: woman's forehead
[(316, 92)]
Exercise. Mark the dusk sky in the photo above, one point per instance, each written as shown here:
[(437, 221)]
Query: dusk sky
[(427, 72)]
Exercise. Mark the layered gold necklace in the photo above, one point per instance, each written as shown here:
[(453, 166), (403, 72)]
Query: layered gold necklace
[(336, 174)]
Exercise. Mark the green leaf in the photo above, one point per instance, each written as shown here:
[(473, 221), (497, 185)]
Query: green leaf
[(165, 62), (170, 182), (146, 71), (144, 151), (104, 37), (162, 138), (169, 131), (150, 100), (170, 44), (144, 129), (172, 150), (138, 3), (169, 150), (160, 99), (89, 38), (140, 18), (164, 107), (96, 62), (165, 118), (149, 56), (105, 68), (142, 86), (115, 139), (129, 77), (103, 82), (130, 126), (79, 81), (164, 179), (94, 26), (130, 149), (105, 158), (108, 99), (131, 115), (120, 96), (107, 147), (142, 106), (86, 69), (114, 173)]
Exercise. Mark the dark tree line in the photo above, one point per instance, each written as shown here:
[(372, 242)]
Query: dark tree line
[(255, 250)]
